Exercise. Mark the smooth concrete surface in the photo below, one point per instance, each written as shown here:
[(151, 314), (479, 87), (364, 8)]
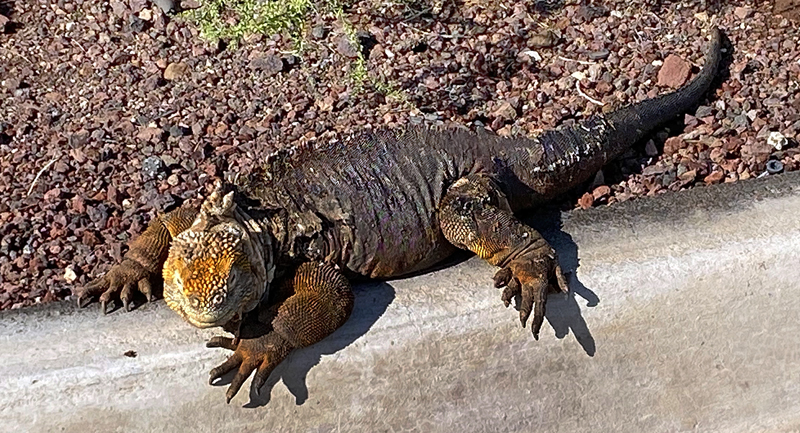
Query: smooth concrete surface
[(683, 316)]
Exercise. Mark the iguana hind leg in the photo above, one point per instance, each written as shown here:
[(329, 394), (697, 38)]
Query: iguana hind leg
[(475, 215), (312, 304)]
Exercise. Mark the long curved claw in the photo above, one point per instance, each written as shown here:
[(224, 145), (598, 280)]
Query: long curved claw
[(245, 370), (126, 295), (538, 311), (146, 289), (232, 362), (563, 283), (512, 289)]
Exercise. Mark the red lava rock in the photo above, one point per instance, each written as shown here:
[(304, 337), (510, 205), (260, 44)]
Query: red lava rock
[(150, 134), (52, 195), (601, 191), (90, 238), (603, 87), (714, 177), (78, 204), (53, 96), (674, 72), (788, 8), (270, 63), (673, 144), (505, 111), (176, 71), (688, 176), (119, 8), (545, 39), (717, 155), (742, 12), (112, 195), (345, 48), (586, 201), (757, 152)]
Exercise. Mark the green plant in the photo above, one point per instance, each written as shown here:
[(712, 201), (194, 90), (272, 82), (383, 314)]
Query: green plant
[(235, 19)]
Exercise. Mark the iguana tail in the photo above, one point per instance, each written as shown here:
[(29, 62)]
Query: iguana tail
[(633, 122), (568, 155)]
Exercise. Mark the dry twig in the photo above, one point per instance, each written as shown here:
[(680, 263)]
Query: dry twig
[(582, 62), (588, 98), (39, 174)]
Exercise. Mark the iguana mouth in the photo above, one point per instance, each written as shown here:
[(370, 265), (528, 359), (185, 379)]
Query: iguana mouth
[(202, 322)]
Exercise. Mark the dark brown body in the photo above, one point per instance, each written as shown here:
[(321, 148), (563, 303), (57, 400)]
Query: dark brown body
[(370, 205)]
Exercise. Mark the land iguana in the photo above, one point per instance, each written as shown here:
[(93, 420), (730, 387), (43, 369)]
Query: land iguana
[(285, 243)]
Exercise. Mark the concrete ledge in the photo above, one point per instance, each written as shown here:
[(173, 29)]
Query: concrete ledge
[(683, 316)]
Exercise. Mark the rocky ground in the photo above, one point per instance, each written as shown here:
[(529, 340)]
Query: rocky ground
[(112, 111)]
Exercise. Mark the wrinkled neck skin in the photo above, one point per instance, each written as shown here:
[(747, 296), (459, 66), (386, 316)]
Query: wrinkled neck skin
[(258, 247)]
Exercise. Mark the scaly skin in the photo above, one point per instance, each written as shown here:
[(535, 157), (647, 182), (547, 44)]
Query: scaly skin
[(379, 205)]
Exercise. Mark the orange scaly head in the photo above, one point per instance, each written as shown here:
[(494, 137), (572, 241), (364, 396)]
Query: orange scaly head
[(215, 270)]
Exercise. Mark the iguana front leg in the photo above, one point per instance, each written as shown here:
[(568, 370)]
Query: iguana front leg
[(318, 300), (475, 215), (144, 259)]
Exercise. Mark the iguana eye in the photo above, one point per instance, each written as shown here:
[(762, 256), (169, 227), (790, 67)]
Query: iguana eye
[(218, 299)]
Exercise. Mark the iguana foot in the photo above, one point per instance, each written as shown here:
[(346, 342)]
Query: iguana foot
[(475, 215), (529, 278), (306, 308), (121, 282), (143, 260), (262, 354)]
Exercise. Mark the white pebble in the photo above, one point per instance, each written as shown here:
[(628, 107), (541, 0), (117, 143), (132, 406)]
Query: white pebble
[(533, 54), (69, 275), (578, 75), (777, 140)]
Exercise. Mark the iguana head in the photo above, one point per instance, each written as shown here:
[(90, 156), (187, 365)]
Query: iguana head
[(216, 270)]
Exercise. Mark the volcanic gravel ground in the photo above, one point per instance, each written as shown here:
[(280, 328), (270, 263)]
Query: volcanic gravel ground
[(113, 111)]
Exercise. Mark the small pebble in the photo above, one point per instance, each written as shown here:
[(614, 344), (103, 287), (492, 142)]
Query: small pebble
[(168, 6), (69, 275), (599, 55), (777, 140), (153, 167)]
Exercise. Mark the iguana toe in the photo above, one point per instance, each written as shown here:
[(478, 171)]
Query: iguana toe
[(223, 342)]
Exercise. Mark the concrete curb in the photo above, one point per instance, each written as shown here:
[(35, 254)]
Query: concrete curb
[(683, 316)]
